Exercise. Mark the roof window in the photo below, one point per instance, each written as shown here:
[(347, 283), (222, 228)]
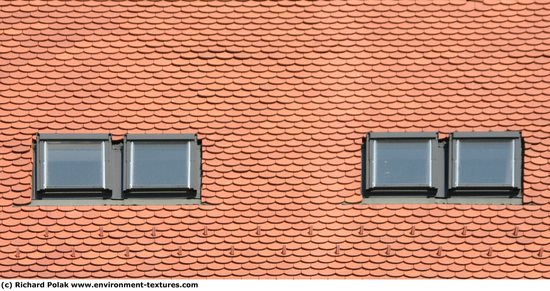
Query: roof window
[(161, 163), (72, 164), (485, 162), (468, 167), (401, 161), (93, 166)]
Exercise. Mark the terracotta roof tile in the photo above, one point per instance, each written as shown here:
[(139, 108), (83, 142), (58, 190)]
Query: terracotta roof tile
[(281, 106)]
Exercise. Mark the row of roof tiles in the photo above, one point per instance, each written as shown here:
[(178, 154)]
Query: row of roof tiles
[(375, 242)]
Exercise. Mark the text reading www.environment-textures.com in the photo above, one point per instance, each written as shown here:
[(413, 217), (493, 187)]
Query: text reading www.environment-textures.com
[(95, 285)]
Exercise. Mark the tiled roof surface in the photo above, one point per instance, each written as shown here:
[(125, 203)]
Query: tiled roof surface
[(281, 93)]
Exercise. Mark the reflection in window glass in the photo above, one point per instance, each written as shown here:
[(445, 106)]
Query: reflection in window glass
[(74, 164), (401, 162), (159, 164), (484, 162)]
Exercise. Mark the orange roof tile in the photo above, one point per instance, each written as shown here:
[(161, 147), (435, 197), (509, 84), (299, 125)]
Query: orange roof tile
[(281, 96)]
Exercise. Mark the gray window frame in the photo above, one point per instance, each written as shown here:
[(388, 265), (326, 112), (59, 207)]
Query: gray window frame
[(40, 192), (495, 189), (195, 167), (435, 189)]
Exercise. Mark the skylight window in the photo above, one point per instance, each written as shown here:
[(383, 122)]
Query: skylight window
[(486, 161), (72, 164), (162, 164), (399, 161), (159, 164)]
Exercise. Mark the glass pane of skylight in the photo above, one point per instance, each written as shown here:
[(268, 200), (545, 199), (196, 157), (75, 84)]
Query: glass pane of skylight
[(484, 162), (74, 164), (159, 164), (401, 162)]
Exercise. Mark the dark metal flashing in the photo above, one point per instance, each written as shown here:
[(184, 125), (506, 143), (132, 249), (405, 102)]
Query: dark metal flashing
[(36, 160), (487, 134), (125, 202), (438, 169), (364, 167), (483, 200), (69, 193), (75, 136), (196, 163), (402, 135), (116, 164), (183, 136)]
